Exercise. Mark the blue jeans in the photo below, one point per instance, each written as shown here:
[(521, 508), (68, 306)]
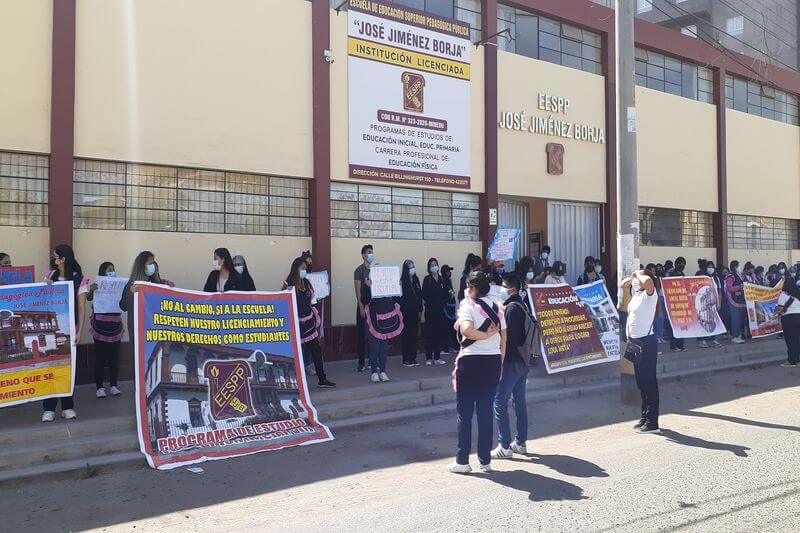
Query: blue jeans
[(378, 350), (512, 383), (738, 321)]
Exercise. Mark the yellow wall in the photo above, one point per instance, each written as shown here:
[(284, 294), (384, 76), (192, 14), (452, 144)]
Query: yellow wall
[(25, 50), (676, 147), (346, 256), (27, 246), (763, 166), (196, 83), (339, 108), (522, 165), (659, 254)]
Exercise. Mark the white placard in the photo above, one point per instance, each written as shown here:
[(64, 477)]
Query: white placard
[(319, 281), (409, 96), (385, 281), (108, 293), (504, 245)]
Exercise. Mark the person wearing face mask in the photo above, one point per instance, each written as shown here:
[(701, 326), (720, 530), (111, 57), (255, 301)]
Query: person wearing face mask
[(472, 264), (308, 320), (556, 275), (758, 273), (542, 262), (143, 269), (710, 270), (66, 268), (360, 276), (435, 295), (411, 306), (106, 330), (789, 311), (734, 294), (658, 326), (526, 274), (782, 272), (675, 344), (591, 271), (514, 374), (451, 344), (223, 276), (240, 266), (5, 260)]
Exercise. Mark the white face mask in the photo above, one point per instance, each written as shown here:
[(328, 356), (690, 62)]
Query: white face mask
[(239, 269), (598, 268), (739, 270), (545, 255), (709, 270), (782, 271), (529, 276), (215, 265)]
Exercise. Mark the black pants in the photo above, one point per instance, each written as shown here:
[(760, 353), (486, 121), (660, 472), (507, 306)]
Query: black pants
[(791, 336), (673, 342), (435, 336), (361, 341), (313, 352), (67, 402), (409, 336), (477, 377), (645, 368), (106, 352)]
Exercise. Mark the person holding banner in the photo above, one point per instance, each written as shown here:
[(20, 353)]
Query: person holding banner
[(411, 306), (143, 269), (675, 344), (710, 270), (435, 295), (734, 293), (223, 276), (789, 310), (106, 330), (642, 349), (482, 335), (66, 268), (240, 266), (5, 260)]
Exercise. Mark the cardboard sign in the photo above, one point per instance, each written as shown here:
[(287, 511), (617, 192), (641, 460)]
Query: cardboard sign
[(108, 293), (385, 281), (320, 283)]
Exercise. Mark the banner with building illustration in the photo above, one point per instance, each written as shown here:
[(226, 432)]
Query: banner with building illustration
[(761, 305), (692, 305), (601, 310), (568, 335), (219, 375), (37, 350), (409, 96)]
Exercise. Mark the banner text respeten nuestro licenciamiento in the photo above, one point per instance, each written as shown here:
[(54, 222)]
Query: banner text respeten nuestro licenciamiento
[(409, 96), (219, 375)]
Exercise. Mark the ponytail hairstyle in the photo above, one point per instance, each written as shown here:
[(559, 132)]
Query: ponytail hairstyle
[(471, 262)]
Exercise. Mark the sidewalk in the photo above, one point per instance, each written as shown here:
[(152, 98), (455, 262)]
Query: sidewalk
[(104, 436)]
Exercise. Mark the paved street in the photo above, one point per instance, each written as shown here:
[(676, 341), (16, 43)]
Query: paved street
[(727, 461)]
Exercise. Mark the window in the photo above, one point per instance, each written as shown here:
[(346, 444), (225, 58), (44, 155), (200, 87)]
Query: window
[(643, 6), (663, 73), (734, 25), (120, 196), (24, 181), (690, 30), (362, 211), (761, 100), (549, 40), (762, 233), (676, 227)]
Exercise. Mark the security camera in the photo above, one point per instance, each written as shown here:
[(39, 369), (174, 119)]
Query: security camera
[(328, 56)]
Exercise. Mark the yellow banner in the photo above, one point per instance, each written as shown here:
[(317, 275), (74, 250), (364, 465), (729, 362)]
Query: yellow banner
[(403, 58), (27, 385)]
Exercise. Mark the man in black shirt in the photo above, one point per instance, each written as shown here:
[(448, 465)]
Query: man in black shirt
[(515, 371)]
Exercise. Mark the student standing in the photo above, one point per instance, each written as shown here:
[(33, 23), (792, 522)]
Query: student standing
[(223, 276), (734, 293), (711, 271), (143, 269), (308, 320), (675, 344), (360, 276), (789, 310), (435, 295), (642, 345), (106, 330), (449, 309), (384, 321), (240, 266), (589, 275), (411, 306), (66, 268), (543, 261), (477, 373), (556, 275), (514, 375), (471, 264), (526, 274)]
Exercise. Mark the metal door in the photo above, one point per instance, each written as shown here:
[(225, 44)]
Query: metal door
[(573, 232), (515, 215)]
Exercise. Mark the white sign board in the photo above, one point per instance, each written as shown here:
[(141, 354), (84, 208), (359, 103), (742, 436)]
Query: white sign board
[(320, 283), (409, 96), (385, 281), (108, 293), (504, 245)]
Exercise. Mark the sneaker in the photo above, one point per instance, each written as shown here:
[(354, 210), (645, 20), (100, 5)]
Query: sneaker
[(642, 422), (101, 392), (703, 344), (485, 467), (310, 370), (439, 362), (716, 344), (360, 368), (115, 391), (411, 364), (648, 429), (48, 416), (661, 341), (384, 376), (429, 362), (325, 384), (375, 378), (737, 340), (456, 468), (502, 453), (521, 449), (69, 414), (676, 350), (787, 364)]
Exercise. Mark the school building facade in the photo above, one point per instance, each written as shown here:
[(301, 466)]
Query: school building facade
[(181, 126)]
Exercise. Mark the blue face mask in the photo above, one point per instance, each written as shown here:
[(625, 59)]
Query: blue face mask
[(434, 269), (370, 257), (303, 274), (111, 274), (150, 269), (412, 271), (504, 294), (529, 276)]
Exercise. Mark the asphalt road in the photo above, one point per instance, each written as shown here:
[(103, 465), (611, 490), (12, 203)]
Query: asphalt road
[(729, 460)]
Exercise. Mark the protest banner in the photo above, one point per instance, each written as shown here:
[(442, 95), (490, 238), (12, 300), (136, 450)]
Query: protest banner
[(385, 280), (108, 293), (691, 303), (321, 284), (761, 305), (504, 245), (597, 303), (569, 338), (37, 354), (219, 375), (16, 275)]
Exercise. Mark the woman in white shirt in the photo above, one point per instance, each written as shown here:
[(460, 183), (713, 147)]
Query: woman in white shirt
[(482, 329), (789, 309), (556, 276), (642, 348)]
